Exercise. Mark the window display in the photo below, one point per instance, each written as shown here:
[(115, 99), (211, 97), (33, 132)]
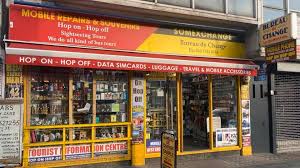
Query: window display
[(225, 108), (111, 132), (49, 98), (111, 96), (46, 135), (82, 96)]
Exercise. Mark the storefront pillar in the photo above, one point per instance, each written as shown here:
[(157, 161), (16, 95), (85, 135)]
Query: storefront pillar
[(138, 155), (246, 151), (244, 114)]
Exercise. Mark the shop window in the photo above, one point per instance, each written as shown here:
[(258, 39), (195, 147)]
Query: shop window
[(242, 8), (294, 5), (161, 108), (270, 14), (224, 110), (182, 3), (49, 97), (82, 96), (111, 96), (275, 3), (211, 5), (94, 96), (195, 112), (111, 132), (46, 135), (78, 134)]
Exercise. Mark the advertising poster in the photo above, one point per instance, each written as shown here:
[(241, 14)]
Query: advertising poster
[(261, 73), (153, 146), (78, 151), (138, 110), (168, 152), (111, 148), (216, 123), (10, 133), (14, 82), (246, 127), (42, 154), (226, 137), (52, 153), (281, 52)]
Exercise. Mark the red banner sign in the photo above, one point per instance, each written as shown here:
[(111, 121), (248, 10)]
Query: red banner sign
[(124, 65), (58, 27)]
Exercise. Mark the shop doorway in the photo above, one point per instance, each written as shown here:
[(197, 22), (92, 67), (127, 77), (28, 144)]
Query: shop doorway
[(195, 112), (161, 108)]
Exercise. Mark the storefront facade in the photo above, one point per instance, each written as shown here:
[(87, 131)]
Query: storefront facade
[(100, 89)]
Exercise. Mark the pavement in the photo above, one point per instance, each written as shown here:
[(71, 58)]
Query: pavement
[(217, 160)]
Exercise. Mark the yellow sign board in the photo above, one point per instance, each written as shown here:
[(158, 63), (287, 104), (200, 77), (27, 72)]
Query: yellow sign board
[(192, 46)]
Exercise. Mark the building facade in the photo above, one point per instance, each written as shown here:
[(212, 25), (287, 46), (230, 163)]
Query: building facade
[(100, 80), (278, 89)]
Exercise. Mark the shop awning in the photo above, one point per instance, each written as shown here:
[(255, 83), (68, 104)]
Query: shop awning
[(81, 57)]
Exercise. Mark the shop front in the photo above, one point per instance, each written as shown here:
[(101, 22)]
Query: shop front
[(99, 89)]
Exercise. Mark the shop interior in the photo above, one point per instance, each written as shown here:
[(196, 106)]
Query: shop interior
[(195, 112), (195, 95)]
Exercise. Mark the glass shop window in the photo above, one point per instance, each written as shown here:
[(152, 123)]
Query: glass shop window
[(224, 110)]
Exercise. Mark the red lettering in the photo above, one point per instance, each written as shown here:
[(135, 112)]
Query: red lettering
[(82, 149), (101, 148), (122, 146), (33, 152), (107, 147), (114, 147)]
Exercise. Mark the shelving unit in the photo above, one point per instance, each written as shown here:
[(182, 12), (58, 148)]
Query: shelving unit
[(111, 97)]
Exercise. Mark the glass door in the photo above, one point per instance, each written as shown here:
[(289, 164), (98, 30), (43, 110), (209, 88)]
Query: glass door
[(195, 112), (161, 108)]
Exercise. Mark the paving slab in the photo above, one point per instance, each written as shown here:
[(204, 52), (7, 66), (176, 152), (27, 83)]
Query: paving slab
[(231, 160)]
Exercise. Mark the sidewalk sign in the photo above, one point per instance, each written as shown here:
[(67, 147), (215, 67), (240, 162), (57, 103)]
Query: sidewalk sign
[(168, 149)]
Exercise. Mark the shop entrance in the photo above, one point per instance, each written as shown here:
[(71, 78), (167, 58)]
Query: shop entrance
[(161, 108), (195, 112)]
